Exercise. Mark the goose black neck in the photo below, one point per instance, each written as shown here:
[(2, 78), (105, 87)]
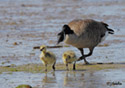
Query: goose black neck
[(67, 30)]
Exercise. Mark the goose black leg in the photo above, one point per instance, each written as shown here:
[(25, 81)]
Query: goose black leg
[(90, 53), (82, 57)]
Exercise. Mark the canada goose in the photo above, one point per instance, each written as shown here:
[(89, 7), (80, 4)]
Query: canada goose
[(86, 33), (69, 57), (47, 57)]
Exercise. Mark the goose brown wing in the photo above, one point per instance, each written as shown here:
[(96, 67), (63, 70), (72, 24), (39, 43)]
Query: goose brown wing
[(79, 26)]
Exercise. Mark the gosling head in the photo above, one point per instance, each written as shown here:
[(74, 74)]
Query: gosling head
[(43, 48), (66, 56), (65, 30)]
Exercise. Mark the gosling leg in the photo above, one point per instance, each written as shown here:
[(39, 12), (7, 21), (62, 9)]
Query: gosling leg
[(74, 66), (53, 67), (45, 67), (67, 67)]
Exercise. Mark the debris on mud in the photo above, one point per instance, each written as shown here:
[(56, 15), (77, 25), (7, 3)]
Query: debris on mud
[(37, 47)]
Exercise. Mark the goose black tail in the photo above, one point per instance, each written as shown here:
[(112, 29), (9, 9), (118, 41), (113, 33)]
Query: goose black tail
[(110, 31)]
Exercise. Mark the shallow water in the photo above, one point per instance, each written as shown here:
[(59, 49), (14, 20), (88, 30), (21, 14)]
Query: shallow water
[(65, 79)]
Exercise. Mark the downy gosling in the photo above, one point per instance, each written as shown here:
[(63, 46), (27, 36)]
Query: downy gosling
[(47, 57), (69, 57)]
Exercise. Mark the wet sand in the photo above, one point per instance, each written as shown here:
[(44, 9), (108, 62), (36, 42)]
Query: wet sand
[(27, 23)]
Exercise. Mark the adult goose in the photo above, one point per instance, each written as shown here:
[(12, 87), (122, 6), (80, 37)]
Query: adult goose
[(86, 33)]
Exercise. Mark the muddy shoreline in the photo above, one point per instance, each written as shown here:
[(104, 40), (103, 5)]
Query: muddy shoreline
[(39, 68)]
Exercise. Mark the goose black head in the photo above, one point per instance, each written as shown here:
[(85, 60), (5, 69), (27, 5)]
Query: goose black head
[(65, 30)]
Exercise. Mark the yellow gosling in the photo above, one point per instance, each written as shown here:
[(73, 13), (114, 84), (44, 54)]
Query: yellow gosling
[(47, 57), (69, 57)]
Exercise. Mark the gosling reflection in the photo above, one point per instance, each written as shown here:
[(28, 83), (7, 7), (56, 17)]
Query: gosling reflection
[(71, 77), (48, 79)]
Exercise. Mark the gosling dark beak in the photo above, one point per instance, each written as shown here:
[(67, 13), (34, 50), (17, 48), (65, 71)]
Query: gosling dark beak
[(60, 37), (41, 49)]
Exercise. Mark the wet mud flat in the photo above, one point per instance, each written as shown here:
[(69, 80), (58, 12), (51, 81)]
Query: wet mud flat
[(88, 76), (28, 23)]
